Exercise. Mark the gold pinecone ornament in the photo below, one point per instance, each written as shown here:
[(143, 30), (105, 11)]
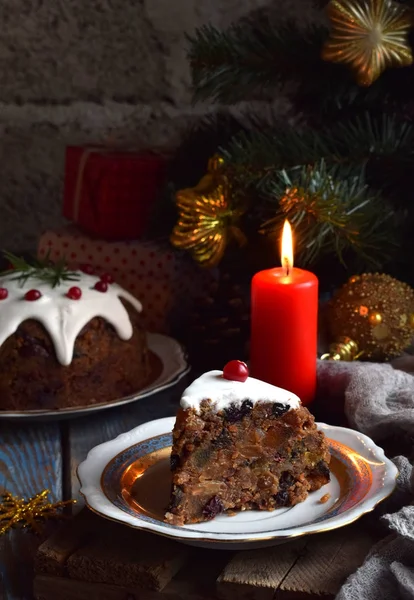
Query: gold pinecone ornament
[(376, 312), (219, 325)]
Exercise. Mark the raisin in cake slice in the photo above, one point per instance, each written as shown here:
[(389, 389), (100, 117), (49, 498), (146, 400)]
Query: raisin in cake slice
[(242, 444)]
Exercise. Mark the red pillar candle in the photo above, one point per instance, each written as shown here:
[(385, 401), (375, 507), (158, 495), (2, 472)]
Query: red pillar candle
[(284, 316)]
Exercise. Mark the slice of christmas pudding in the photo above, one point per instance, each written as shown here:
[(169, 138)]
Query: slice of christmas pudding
[(242, 444)]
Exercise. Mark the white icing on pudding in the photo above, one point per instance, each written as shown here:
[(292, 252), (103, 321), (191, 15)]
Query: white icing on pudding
[(223, 392), (62, 317)]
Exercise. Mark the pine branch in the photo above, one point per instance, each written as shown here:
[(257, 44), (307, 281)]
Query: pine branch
[(252, 58), (249, 58), (258, 160), (264, 149), (332, 211), (42, 270), (255, 157), (369, 136)]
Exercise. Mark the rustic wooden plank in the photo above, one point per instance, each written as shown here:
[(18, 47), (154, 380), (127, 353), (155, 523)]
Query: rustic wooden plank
[(111, 561), (80, 435), (30, 461), (196, 581), (100, 551), (52, 555), (95, 550), (51, 588), (326, 562), (256, 574), (83, 547), (30, 458), (123, 556), (46, 587)]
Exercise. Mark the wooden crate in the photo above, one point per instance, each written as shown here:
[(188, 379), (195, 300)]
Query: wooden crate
[(91, 558)]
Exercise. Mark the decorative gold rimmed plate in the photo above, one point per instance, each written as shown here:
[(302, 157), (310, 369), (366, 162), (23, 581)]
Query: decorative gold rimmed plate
[(168, 364), (128, 480)]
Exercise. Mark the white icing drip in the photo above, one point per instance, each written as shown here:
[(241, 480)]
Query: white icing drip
[(62, 317), (223, 392)]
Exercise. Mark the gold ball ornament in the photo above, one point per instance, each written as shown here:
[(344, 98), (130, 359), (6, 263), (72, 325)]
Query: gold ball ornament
[(343, 349), (369, 36), (376, 312), (207, 219)]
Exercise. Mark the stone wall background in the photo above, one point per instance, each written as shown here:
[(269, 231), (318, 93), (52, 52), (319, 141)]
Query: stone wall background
[(82, 72)]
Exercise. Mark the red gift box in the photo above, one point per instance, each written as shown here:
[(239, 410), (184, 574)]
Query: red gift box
[(110, 193)]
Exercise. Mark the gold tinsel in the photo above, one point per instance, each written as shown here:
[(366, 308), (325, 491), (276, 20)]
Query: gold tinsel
[(207, 219), (27, 513), (376, 313), (368, 35)]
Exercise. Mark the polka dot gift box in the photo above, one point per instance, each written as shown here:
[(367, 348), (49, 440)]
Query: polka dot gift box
[(163, 279)]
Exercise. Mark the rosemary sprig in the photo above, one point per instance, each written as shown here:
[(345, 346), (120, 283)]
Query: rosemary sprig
[(44, 270)]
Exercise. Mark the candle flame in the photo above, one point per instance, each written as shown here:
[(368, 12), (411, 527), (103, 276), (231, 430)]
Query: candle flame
[(287, 247)]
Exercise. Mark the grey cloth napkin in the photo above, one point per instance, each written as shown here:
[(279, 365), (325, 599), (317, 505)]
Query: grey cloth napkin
[(379, 401)]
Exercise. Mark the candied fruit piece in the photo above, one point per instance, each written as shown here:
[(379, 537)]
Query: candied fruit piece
[(251, 451), (266, 481), (208, 487), (274, 437), (312, 458)]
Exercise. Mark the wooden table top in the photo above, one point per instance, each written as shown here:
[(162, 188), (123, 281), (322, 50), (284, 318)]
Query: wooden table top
[(44, 455)]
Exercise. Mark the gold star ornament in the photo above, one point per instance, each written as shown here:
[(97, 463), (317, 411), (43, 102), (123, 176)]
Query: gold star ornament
[(28, 513), (207, 219), (369, 36)]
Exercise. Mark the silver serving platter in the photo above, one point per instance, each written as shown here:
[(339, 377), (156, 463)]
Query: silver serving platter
[(171, 366)]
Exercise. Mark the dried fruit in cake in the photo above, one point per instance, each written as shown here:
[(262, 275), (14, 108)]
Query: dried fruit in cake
[(67, 338), (242, 445)]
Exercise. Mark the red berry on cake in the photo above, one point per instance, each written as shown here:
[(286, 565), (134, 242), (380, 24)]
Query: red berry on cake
[(74, 293), (3, 293), (88, 269), (32, 295), (101, 286), (106, 278), (236, 370)]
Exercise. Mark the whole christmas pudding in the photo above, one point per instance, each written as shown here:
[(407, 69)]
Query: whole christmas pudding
[(67, 338)]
